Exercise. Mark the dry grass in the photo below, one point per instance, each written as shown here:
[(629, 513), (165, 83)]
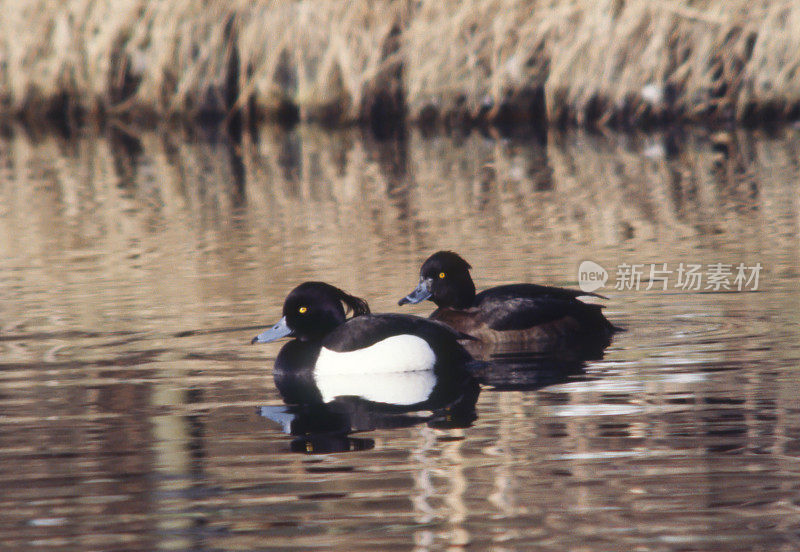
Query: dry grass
[(589, 61)]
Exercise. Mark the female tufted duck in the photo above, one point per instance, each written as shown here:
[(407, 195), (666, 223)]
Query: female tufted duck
[(326, 342), (545, 318)]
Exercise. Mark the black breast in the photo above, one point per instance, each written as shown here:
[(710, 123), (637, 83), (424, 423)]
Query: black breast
[(297, 356)]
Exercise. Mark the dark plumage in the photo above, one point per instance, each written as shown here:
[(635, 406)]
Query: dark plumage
[(545, 318), (363, 331), (314, 314)]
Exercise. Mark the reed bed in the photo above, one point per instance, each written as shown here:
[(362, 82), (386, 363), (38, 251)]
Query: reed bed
[(557, 61)]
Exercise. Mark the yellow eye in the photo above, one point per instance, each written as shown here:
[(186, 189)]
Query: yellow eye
[(441, 275), (302, 310)]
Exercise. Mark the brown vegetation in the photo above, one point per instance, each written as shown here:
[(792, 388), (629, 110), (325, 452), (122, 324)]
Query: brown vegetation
[(587, 61)]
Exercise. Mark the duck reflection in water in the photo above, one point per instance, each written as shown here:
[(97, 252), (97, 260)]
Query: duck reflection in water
[(344, 375), (323, 412)]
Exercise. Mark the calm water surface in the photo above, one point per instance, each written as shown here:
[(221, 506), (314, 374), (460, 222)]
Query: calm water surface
[(134, 414)]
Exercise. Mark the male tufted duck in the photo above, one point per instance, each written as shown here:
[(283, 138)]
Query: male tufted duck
[(327, 342), (545, 318)]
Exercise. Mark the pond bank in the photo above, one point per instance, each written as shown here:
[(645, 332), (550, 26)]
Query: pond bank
[(607, 63)]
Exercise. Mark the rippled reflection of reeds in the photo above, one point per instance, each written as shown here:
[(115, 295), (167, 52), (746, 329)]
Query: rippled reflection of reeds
[(143, 211)]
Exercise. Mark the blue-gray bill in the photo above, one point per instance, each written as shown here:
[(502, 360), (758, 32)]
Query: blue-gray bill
[(277, 331), (420, 293)]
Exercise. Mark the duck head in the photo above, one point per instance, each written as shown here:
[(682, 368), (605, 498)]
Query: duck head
[(311, 311), (444, 279)]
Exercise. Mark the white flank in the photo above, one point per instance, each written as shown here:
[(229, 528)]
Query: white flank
[(401, 388), (399, 353)]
